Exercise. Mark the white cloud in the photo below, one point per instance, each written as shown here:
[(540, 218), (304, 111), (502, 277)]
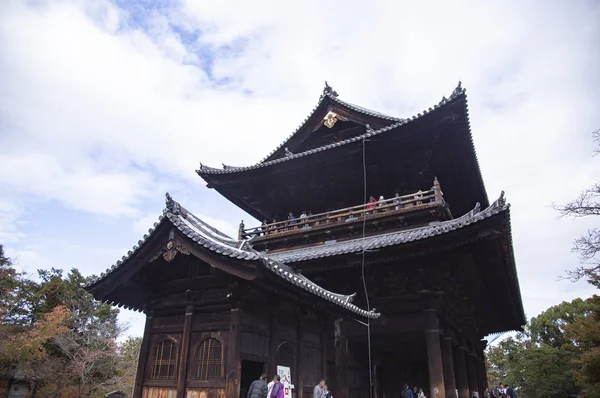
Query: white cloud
[(101, 116)]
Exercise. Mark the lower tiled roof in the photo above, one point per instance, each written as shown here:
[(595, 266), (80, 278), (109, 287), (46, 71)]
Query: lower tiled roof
[(214, 240)]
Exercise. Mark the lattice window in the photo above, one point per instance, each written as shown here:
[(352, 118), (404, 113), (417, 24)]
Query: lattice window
[(165, 360), (209, 360)]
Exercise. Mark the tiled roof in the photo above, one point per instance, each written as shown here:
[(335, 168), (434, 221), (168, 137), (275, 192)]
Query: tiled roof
[(458, 91), (391, 239), (329, 93), (216, 241)]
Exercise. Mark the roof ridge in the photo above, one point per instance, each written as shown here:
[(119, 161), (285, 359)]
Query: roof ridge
[(458, 91)]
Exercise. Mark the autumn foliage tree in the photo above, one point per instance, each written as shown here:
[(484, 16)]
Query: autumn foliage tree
[(59, 336)]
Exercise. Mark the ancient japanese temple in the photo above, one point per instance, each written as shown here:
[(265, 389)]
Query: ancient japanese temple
[(363, 221)]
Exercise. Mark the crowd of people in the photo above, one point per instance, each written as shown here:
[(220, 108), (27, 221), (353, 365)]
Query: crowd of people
[(416, 392), (372, 206), (275, 389), (502, 391)]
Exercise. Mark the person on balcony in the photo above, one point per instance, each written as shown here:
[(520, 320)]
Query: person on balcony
[(303, 221), (397, 201), (419, 195), (263, 228), (370, 205), (291, 219), (381, 203), (271, 227)]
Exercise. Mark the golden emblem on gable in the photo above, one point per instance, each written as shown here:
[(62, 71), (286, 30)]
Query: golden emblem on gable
[(330, 119)]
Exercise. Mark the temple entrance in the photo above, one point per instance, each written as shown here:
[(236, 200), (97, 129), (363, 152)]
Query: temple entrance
[(251, 371)]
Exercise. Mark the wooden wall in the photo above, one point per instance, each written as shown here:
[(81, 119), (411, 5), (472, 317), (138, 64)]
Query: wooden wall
[(282, 337)]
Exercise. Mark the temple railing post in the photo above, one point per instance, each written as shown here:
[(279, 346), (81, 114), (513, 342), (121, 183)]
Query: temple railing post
[(241, 234), (437, 191)]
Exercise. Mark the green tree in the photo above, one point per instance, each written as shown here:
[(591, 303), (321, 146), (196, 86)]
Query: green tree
[(557, 355)]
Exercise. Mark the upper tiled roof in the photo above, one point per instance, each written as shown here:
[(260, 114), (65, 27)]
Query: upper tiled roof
[(216, 241), (391, 239), (329, 93)]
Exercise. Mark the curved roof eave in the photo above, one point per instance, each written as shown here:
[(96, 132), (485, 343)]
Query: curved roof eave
[(217, 242)]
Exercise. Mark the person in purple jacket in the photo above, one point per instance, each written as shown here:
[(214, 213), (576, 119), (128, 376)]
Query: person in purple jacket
[(277, 391)]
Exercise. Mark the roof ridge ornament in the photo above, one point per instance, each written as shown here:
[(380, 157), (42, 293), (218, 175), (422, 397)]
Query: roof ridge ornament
[(458, 90), (501, 200), (288, 152), (329, 91), (171, 205)]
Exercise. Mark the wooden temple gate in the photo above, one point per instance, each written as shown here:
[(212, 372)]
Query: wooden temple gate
[(299, 291)]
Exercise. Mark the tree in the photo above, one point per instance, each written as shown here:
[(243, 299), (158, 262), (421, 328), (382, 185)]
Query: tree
[(557, 355), (23, 340), (587, 245), (61, 336)]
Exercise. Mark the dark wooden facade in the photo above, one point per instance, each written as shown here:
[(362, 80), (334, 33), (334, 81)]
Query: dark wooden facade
[(220, 311)]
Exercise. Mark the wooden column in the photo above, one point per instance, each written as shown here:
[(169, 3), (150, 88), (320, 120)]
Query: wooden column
[(324, 374), (434, 355), (481, 376), (342, 385), (143, 358), (448, 359), (460, 372), (471, 373), (299, 382), (184, 353), (273, 341), (234, 363)]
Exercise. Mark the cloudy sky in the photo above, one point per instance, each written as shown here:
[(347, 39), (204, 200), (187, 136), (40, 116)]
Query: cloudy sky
[(105, 106)]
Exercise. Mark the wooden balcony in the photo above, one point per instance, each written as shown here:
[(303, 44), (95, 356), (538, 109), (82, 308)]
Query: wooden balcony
[(391, 209)]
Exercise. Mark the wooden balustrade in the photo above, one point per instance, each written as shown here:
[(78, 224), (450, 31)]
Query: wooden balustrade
[(389, 206)]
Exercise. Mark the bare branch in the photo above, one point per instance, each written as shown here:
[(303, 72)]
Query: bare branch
[(587, 204)]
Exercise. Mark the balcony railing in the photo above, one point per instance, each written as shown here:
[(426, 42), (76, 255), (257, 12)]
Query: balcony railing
[(380, 208)]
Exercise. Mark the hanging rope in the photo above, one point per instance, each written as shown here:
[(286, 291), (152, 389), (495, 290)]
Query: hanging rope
[(364, 226)]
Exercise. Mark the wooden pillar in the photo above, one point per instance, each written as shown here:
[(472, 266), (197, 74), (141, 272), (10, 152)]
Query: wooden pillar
[(185, 348), (299, 382), (434, 355), (342, 385), (234, 363), (471, 373), (143, 358), (460, 372), (481, 377), (448, 359), (324, 351), (273, 341)]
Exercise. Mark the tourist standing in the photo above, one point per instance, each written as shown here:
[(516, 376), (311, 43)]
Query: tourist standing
[(319, 391), (277, 391), (258, 388), (407, 392), (328, 393)]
